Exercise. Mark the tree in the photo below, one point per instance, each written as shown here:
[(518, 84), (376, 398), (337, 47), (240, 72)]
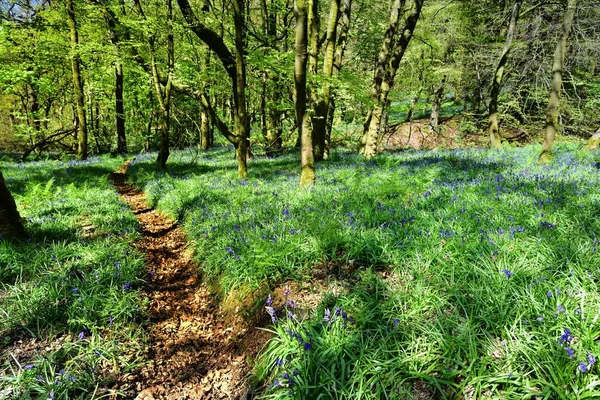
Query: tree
[(10, 220), (493, 130), (307, 162), (555, 87), (395, 43), (82, 150), (235, 66)]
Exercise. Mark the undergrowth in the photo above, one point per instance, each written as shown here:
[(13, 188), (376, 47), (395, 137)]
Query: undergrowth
[(68, 305), (465, 273)]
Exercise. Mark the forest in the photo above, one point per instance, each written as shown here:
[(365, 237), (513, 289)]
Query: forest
[(299, 199)]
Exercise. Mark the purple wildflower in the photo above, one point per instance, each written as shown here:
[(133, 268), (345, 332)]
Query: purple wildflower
[(549, 294), (327, 316), (28, 366), (566, 337), (127, 286), (269, 301), (591, 359), (273, 314), (307, 346), (507, 273), (287, 291), (396, 321), (582, 367), (570, 352), (81, 335)]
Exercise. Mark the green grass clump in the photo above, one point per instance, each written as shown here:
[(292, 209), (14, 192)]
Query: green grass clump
[(465, 272), (71, 284)]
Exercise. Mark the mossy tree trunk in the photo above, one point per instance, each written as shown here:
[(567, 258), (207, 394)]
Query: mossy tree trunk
[(323, 97), (164, 94), (394, 45), (555, 87), (493, 131), (307, 162), (438, 95), (10, 220), (82, 150)]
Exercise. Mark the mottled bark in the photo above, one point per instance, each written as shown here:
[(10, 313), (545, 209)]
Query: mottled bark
[(342, 40), (307, 175), (164, 95), (493, 131), (392, 50), (82, 139), (323, 97), (594, 141), (436, 106), (10, 220), (555, 87), (241, 118), (206, 133)]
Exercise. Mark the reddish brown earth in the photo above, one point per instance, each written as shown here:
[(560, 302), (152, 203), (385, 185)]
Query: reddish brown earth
[(192, 353)]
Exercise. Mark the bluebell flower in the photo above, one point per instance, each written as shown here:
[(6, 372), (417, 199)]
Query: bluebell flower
[(396, 321), (269, 301), (287, 291), (307, 346), (540, 319), (28, 366), (275, 383), (570, 352), (582, 367), (327, 316), (546, 224), (507, 273), (81, 335), (560, 308), (549, 294), (273, 314), (566, 337), (591, 359), (279, 362), (127, 286)]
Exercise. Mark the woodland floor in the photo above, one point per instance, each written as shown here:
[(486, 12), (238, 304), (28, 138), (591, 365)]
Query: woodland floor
[(192, 353)]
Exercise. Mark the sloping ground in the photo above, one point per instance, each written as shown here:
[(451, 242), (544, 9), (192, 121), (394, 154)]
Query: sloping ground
[(192, 353), (417, 135)]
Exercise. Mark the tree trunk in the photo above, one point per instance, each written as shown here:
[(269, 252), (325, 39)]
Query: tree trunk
[(434, 119), (493, 131), (241, 118), (164, 96), (273, 129), (77, 82), (392, 50), (307, 175), (119, 109), (345, 10), (324, 96), (10, 220), (555, 87), (205, 128), (594, 142)]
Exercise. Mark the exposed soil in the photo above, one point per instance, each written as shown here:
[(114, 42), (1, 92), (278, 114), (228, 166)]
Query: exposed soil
[(417, 135), (192, 352)]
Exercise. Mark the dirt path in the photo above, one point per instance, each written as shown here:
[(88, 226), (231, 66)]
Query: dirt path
[(191, 352)]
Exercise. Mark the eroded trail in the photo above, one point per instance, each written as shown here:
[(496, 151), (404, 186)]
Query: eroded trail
[(191, 352)]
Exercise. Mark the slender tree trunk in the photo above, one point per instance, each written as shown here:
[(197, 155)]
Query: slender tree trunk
[(205, 140), (323, 98), (594, 142), (345, 9), (392, 50), (307, 164), (10, 220), (119, 108), (555, 87), (493, 131), (164, 97), (273, 128), (241, 118), (434, 119), (77, 82)]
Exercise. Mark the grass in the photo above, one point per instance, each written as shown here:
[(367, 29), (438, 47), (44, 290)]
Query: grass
[(464, 272), (71, 285)]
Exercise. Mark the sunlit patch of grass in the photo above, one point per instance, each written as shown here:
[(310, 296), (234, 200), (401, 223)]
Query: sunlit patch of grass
[(464, 268), (71, 284)]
